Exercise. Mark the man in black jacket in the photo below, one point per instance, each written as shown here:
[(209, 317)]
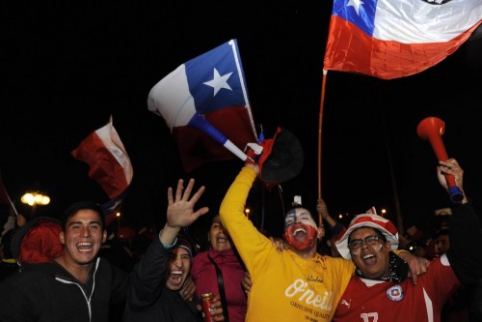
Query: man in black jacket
[(75, 286)]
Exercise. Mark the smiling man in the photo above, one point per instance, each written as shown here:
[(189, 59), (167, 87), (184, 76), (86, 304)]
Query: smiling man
[(377, 293), (75, 286), (301, 231)]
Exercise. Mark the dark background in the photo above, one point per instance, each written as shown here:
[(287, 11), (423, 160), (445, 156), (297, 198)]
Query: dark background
[(66, 67)]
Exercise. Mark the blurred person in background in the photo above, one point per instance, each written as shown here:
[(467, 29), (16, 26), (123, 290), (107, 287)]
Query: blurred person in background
[(8, 263)]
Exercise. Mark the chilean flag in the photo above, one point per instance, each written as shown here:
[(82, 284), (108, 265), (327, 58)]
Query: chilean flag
[(205, 104), (397, 38), (109, 165)]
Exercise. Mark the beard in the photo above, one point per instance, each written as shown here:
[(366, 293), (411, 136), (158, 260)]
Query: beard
[(297, 241)]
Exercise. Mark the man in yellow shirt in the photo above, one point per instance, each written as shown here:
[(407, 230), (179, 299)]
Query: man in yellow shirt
[(294, 285)]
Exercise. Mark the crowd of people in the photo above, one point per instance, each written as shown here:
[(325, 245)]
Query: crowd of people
[(362, 275)]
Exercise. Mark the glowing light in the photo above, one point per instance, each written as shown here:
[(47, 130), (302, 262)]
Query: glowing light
[(35, 198)]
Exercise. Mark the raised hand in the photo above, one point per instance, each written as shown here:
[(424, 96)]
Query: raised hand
[(321, 208), (180, 209), (451, 167)]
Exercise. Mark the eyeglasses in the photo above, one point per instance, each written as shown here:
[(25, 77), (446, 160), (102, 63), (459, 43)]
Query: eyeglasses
[(369, 240)]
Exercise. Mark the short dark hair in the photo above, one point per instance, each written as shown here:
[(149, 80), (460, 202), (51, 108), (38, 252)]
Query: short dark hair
[(82, 205)]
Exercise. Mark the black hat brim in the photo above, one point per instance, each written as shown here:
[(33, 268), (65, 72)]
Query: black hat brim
[(285, 160)]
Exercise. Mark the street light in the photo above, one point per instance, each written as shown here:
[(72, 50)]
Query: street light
[(33, 199)]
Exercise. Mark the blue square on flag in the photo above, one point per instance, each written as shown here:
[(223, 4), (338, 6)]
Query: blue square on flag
[(360, 13), (215, 81)]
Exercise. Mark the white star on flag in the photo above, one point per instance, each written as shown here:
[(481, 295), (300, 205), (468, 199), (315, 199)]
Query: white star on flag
[(219, 82), (356, 5)]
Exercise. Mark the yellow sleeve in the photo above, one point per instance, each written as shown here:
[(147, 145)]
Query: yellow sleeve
[(252, 246)]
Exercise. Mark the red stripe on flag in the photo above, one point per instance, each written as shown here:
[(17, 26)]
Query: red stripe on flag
[(196, 148), (349, 49), (103, 167)]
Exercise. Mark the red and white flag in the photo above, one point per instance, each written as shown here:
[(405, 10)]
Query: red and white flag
[(109, 165), (205, 104), (396, 38)]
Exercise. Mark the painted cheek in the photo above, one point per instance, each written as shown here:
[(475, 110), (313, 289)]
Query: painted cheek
[(288, 235), (290, 224), (355, 253)]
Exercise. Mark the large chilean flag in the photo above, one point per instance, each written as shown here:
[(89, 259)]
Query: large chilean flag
[(205, 104), (397, 38)]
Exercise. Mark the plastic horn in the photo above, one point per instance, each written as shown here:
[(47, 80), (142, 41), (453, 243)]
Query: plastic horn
[(432, 129)]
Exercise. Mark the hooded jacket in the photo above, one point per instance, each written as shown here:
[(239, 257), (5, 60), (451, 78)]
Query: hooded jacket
[(46, 292), (149, 299)]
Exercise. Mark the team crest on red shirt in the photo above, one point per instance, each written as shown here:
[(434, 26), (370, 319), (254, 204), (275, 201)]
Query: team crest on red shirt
[(395, 293)]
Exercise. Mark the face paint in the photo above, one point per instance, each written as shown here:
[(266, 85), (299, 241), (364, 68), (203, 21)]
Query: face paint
[(300, 228), (299, 215), (303, 243), (290, 217)]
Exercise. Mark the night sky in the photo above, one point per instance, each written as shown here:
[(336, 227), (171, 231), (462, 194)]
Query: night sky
[(68, 67)]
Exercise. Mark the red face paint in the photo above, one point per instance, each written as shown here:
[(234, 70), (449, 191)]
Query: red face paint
[(302, 243)]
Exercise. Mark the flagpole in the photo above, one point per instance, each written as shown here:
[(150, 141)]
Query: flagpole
[(12, 206), (10, 202), (320, 122), (396, 200)]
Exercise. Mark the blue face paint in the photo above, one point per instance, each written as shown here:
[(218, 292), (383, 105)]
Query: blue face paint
[(290, 218)]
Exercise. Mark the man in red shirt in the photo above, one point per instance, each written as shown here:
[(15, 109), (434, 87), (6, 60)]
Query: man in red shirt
[(376, 294)]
